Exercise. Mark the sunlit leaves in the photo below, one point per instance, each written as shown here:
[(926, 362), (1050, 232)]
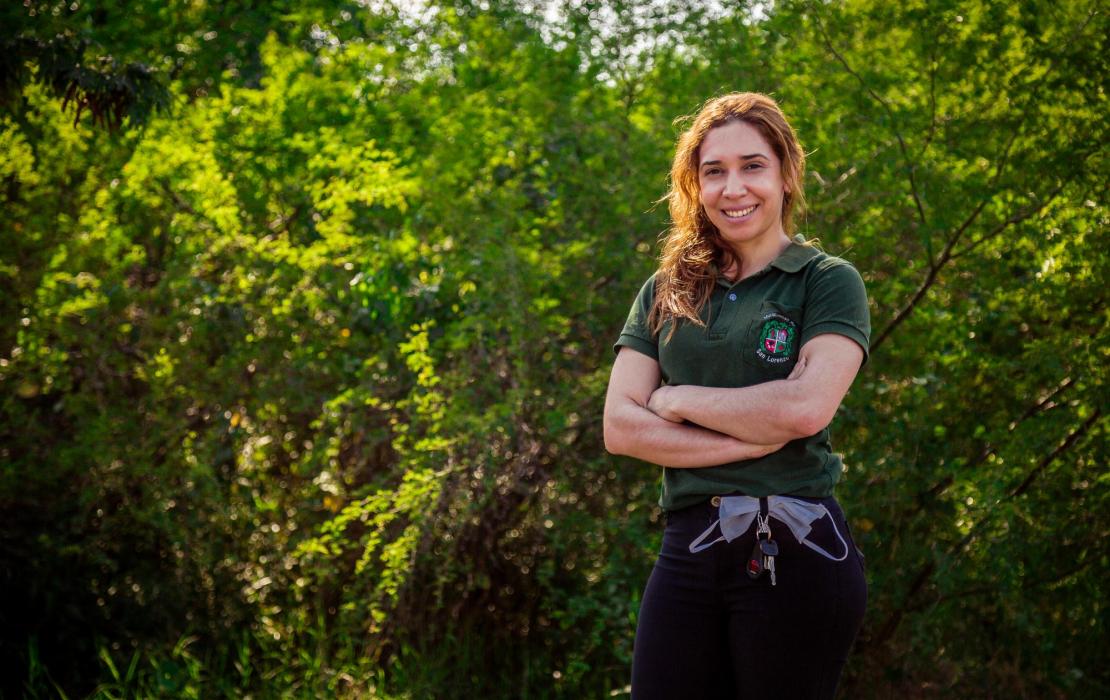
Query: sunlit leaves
[(320, 357)]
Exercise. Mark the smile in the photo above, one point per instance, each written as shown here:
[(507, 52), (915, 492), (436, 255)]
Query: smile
[(739, 213)]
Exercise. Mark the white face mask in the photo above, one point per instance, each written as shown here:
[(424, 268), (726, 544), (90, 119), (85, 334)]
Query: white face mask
[(737, 513)]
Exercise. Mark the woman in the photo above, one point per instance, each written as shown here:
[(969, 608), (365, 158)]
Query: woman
[(735, 356)]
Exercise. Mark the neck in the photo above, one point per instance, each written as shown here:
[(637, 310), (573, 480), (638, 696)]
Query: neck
[(756, 255)]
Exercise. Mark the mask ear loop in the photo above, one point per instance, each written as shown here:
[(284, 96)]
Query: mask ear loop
[(818, 549), (729, 514), (697, 546)]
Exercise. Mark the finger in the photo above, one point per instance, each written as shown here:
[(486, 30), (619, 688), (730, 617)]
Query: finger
[(798, 369)]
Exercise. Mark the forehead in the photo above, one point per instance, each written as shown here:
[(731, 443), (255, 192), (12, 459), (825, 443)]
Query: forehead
[(733, 140)]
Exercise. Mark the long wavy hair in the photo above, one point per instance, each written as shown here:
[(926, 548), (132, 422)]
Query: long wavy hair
[(693, 244)]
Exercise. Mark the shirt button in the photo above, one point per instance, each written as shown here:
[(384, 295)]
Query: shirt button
[(715, 501), (732, 296)]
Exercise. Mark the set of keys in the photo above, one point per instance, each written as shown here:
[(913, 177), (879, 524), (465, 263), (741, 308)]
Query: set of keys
[(762, 558)]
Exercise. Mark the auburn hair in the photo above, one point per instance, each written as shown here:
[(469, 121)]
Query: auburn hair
[(693, 245)]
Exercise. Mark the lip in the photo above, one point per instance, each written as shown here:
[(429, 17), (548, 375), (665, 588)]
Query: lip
[(752, 207)]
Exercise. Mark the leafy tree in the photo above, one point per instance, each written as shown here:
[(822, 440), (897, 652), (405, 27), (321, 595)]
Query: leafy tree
[(304, 381)]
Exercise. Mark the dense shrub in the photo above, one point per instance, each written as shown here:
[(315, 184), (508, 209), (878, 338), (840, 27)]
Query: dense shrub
[(303, 379)]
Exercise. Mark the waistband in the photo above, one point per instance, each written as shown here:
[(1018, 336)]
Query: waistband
[(735, 515)]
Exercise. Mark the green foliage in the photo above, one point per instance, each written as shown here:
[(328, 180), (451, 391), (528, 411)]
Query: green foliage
[(303, 382)]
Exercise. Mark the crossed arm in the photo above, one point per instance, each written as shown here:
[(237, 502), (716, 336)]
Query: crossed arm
[(632, 429), (653, 423)]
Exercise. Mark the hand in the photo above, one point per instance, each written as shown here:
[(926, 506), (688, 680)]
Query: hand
[(768, 449), (799, 368), (659, 403)]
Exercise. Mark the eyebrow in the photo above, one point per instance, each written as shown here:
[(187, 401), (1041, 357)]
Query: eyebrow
[(750, 156)]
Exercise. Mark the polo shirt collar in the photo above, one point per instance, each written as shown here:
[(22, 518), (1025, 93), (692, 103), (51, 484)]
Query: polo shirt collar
[(791, 260), (796, 256)]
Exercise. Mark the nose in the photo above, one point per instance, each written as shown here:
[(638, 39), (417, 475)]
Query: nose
[(734, 186)]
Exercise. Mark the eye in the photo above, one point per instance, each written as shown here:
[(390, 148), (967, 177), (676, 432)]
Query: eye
[(753, 166), (711, 171)]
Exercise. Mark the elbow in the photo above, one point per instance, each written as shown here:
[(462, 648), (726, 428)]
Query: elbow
[(810, 421), (614, 445), (614, 434)]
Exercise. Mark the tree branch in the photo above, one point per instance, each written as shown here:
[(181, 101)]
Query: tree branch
[(947, 254), (1028, 584), (1060, 449), (932, 99), (1015, 219), (183, 205), (1044, 403), (1048, 459), (910, 165), (929, 568)]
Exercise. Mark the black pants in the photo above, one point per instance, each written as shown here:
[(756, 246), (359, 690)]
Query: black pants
[(706, 630)]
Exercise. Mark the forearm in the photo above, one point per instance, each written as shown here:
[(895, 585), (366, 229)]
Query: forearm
[(635, 431), (776, 411), (801, 405)]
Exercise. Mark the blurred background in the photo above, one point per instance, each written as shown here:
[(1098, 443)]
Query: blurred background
[(306, 313)]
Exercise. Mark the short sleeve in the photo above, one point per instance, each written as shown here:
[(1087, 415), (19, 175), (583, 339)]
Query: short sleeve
[(636, 333), (836, 302)]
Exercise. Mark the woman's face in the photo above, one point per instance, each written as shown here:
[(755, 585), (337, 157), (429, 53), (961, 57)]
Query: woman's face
[(741, 184)]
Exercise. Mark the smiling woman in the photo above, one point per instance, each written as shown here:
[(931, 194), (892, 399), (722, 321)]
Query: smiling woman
[(741, 187), (733, 361)]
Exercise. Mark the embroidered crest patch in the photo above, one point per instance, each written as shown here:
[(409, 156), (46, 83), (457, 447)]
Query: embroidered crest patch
[(776, 338)]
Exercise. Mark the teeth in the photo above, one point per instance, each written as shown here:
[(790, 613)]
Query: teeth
[(739, 212)]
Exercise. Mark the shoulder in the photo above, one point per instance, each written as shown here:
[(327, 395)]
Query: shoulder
[(637, 332), (647, 289), (823, 261), (643, 302), (825, 269)]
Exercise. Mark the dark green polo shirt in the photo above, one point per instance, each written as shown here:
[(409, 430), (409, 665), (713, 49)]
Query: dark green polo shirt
[(754, 330)]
